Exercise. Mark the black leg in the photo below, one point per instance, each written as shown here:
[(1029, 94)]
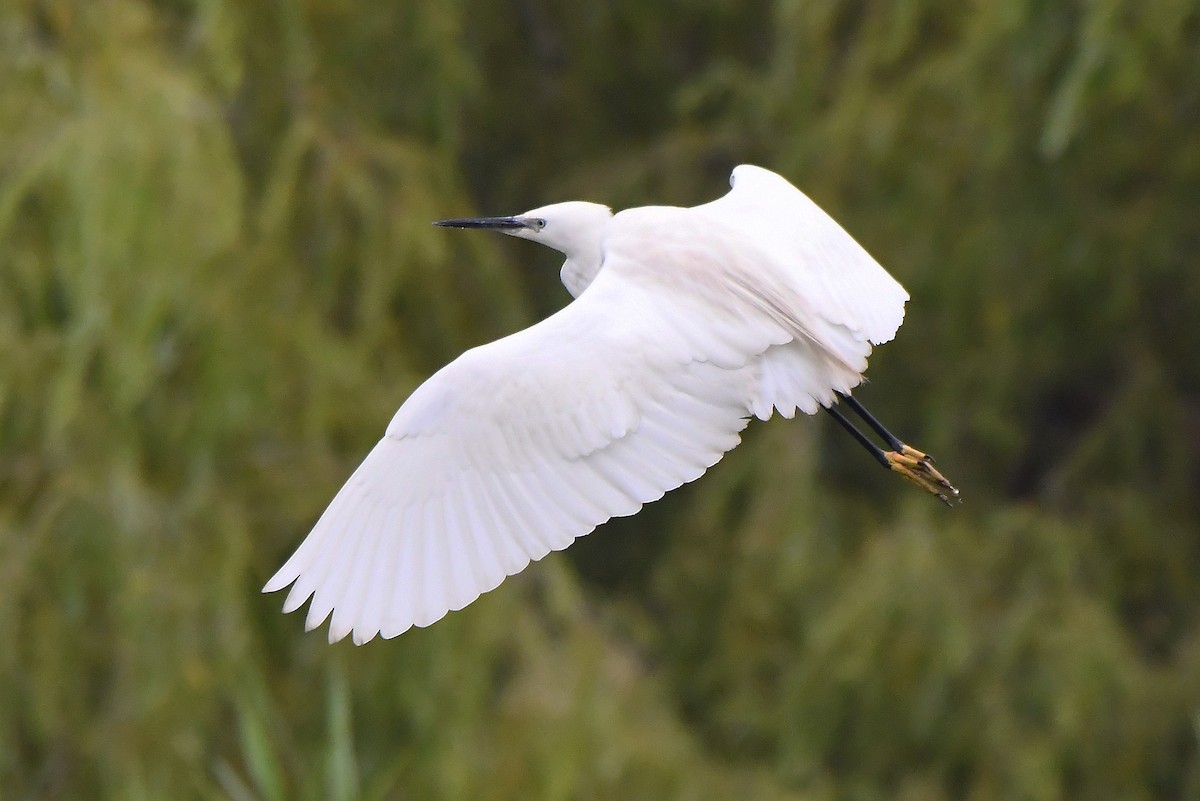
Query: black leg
[(893, 442), (909, 462), (871, 447)]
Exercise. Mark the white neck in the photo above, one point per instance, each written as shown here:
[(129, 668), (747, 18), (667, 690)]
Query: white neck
[(579, 270)]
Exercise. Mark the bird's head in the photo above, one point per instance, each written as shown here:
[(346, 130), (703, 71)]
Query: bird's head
[(574, 228)]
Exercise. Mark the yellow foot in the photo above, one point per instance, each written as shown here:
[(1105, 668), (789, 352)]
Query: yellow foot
[(918, 468)]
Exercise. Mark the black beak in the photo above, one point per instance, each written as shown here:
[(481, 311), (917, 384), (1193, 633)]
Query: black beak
[(494, 223)]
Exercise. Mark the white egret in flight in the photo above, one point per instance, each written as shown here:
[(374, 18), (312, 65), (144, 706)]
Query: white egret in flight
[(686, 322)]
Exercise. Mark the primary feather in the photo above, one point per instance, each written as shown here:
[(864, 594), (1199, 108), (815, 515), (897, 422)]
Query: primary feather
[(686, 322)]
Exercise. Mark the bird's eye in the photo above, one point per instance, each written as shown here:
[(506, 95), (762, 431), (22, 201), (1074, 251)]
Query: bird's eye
[(538, 223)]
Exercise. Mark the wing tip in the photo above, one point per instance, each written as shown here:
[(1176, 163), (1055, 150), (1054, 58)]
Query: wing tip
[(888, 332), (279, 581)]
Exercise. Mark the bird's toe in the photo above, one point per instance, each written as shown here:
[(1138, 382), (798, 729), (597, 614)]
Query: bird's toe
[(918, 468)]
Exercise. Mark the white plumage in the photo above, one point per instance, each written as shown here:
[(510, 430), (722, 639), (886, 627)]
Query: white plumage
[(686, 322)]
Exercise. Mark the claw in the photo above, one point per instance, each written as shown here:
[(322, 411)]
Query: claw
[(918, 468)]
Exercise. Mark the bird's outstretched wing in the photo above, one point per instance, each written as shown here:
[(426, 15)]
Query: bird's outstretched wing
[(520, 446), (831, 271)]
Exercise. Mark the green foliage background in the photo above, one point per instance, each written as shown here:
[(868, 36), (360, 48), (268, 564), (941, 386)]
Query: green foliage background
[(218, 280)]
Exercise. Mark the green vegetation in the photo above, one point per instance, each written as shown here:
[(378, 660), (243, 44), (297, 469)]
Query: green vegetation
[(218, 280)]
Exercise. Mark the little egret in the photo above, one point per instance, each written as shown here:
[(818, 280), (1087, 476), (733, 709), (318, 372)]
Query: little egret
[(686, 322)]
